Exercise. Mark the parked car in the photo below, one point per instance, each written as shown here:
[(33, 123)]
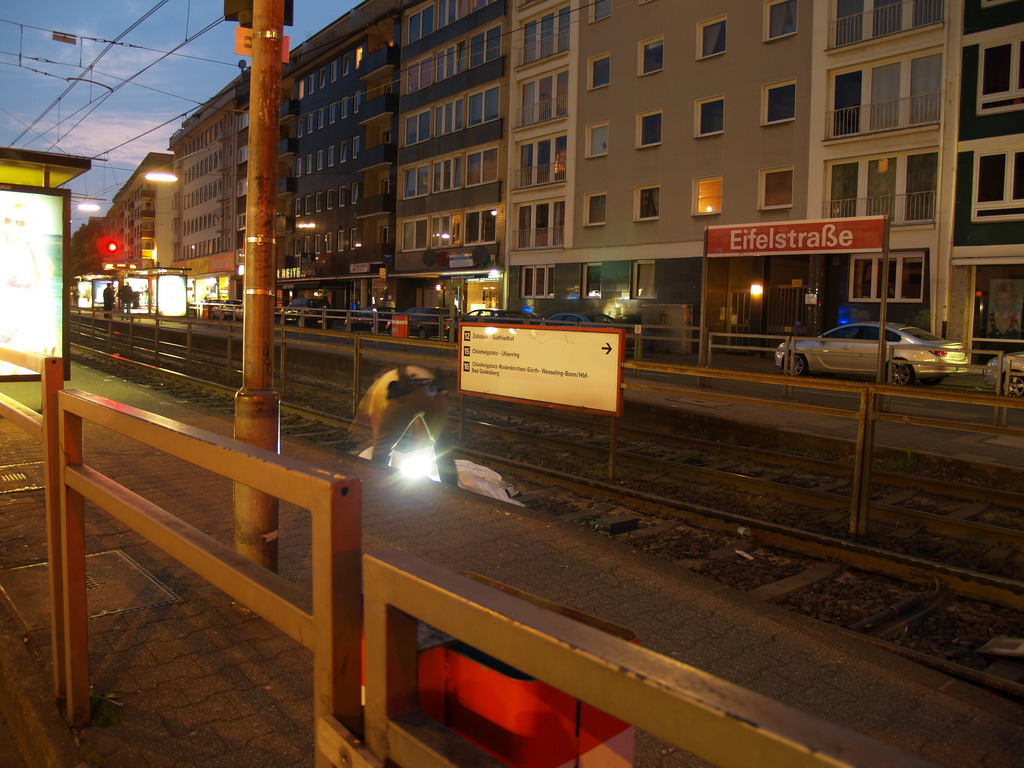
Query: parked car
[(852, 350), (498, 315), (582, 318), (426, 322), (371, 320), (1014, 363), (304, 310), (229, 309)]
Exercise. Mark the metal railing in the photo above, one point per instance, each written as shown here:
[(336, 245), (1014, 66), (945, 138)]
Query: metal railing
[(535, 175), (544, 237), (542, 110), (541, 45), (909, 112), (906, 208), (884, 19)]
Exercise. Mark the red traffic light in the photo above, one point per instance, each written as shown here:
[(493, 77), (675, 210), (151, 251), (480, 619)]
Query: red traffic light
[(108, 246)]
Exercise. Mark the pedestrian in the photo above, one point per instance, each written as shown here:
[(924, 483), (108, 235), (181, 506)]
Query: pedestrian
[(108, 299), (124, 296)]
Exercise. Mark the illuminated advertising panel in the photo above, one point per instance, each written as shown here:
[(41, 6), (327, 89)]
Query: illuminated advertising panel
[(83, 296), (170, 295), (33, 234)]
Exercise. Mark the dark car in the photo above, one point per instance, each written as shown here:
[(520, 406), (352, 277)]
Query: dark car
[(305, 311), (228, 309), (497, 315), (424, 322), (582, 318), (372, 320)]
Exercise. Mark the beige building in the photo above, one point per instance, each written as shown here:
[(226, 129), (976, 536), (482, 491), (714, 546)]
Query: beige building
[(141, 215), (210, 154)]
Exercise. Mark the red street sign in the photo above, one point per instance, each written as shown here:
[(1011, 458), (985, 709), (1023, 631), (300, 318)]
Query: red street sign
[(856, 235)]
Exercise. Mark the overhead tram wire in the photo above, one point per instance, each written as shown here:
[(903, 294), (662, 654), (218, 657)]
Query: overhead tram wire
[(89, 68)]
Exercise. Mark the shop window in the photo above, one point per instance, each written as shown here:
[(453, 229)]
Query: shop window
[(537, 282), (592, 281), (644, 286), (905, 281)]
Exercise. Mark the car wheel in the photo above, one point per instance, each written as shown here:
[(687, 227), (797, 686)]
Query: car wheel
[(799, 366), (1016, 386), (901, 374), (422, 333)]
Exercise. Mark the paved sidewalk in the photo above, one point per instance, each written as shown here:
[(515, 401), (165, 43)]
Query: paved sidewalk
[(204, 683)]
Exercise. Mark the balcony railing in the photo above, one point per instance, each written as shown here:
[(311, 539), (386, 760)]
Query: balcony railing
[(535, 175), (883, 116), (908, 208), (546, 109), (546, 237), (882, 20), (538, 47)]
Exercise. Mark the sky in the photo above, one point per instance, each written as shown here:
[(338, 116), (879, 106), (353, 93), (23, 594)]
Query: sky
[(175, 54)]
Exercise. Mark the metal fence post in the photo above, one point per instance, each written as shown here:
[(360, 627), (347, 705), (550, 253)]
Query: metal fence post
[(357, 352), (860, 499), (612, 440), (52, 384)]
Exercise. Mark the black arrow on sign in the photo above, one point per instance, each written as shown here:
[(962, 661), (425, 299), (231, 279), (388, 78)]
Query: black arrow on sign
[(607, 348)]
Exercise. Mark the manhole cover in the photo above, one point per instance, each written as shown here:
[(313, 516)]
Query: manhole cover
[(21, 477), (114, 583)]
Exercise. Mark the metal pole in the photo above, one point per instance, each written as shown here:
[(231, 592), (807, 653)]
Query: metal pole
[(257, 406), (357, 354), (612, 447), (883, 281)]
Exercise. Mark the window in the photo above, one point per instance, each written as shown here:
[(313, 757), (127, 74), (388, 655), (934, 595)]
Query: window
[(417, 181), (319, 201), (328, 239), (780, 19), (334, 70), (779, 103), (711, 38), (357, 146), (448, 117), (776, 188), (481, 167), (647, 203), (354, 237), (595, 206), (309, 203), (421, 24), (600, 71), (707, 195), (542, 162), (648, 129), (537, 282), (447, 174), (331, 152), (481, 226), (322, 81), (651, 56), (346, 64), (898, 94), (330, 199), (906, 277), (710, 116), (414, 235), (901, 187), (319, 159), (597, 140), (357, 190), (417, 128), (1002, 77), (601, 9), (545, 99), (309, 163), (342, 196), (419, 75), (541, 225), (644, 286), (484, 105), (546, 36), (445, 230), (321, 114), (343, 152), (999, 186), (592, 281), (485, 46)]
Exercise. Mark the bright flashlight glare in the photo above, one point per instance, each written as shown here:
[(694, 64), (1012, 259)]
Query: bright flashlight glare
[(416, 464)]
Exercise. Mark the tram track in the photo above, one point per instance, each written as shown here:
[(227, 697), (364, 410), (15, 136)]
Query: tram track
[(789, 544)]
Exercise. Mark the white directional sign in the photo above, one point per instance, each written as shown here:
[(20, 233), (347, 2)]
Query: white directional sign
[(578, 368)]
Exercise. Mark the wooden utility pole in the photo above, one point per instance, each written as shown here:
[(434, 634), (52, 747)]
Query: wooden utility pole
[(257, 405)]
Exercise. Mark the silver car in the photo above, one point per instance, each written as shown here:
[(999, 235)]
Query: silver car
[(1014, 363), (852, 350)]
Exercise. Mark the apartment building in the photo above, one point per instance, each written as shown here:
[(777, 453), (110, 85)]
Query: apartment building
[(210, 160), (452, 154), (987, 272), (141, 215), (336, 228)]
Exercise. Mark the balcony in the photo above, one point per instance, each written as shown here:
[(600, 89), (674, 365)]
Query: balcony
[(287, 146), (883, 116), (541, 111), (286, 185), (290, 109), (537, 175), (380, 109), (378, 62), (375, 205), (541, 47), (382, 154), (284, 224), (884, 20), (546, 237), (908, 208)]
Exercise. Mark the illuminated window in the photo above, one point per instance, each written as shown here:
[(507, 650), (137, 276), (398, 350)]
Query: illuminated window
[(708, 196)]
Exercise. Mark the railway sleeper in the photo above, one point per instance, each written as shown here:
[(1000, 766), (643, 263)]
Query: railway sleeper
[(778, 590), (903, 616)]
